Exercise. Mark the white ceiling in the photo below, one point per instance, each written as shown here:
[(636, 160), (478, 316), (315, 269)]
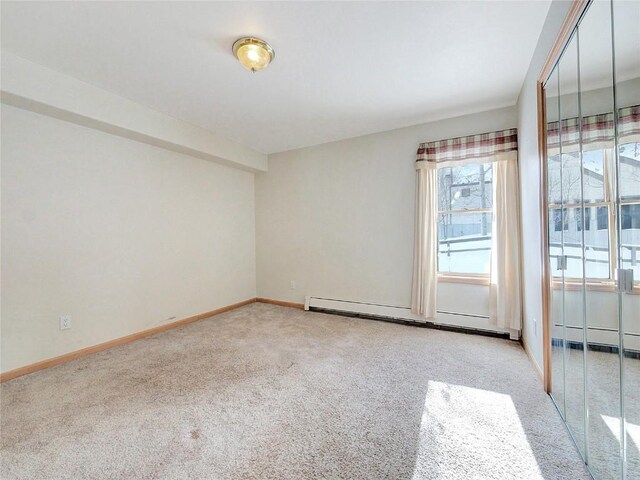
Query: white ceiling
[(341, 69)]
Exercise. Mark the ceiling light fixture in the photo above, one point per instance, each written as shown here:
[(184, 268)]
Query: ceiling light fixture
[(252, 53)]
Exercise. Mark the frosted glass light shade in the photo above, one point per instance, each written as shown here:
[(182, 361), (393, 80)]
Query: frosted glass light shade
[(252, 53)]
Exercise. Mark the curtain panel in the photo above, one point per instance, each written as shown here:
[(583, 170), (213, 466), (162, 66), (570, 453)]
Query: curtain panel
[(425, 245), (505, 308), (500, 148)]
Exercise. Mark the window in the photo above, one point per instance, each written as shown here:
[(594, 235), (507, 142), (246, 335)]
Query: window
[(587, 219), (629, 179), (603, 218), (567, 225), (560, 219), (630, 214), (465, 197), (571, 179), (456, 196)]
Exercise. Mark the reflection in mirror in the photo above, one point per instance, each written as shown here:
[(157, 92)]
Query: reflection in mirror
[(592, 105), (554, 229), (601, 313), (571, 238), (626, 17)]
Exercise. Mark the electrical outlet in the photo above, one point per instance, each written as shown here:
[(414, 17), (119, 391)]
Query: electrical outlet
[(293, 284), (65, 322)]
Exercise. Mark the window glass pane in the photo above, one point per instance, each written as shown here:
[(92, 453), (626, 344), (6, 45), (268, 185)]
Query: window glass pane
[(596, 241), (593, 162), (553, 178), (464, 242), (568, 181), (466, 187), (603, 218), (631, 259), (573, 244), (555, 238), (560, 220), (630, 216), (629, 171), (630, 238), (571, 174)]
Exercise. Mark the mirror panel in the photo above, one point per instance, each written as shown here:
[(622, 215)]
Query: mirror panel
[(626, 21), (592, 105), (601, 313), (555, 232), (571, 194)]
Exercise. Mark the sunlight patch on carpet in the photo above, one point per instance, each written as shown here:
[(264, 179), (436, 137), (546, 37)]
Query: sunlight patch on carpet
[(471, 433), (633, 430)]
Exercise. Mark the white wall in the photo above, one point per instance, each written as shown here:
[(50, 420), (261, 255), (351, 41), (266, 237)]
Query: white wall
[(338, 218), (118, 234), (530, 185), (601, 318), (27, 85)]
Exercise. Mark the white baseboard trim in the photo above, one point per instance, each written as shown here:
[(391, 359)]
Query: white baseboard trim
[(533, 361), (450, 319)]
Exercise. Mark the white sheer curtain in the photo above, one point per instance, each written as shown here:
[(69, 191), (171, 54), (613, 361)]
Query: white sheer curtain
[(505, 304), (425, 246)]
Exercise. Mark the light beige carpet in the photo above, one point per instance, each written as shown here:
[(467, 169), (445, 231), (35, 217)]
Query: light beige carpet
[(266, 392)]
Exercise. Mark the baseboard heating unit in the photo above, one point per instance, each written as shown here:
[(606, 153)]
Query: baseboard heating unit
[(461, 322)]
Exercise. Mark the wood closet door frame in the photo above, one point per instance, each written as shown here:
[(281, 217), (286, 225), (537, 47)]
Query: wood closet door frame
[(578, 7)]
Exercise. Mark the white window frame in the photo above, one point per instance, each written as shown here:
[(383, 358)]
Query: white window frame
[(592, 283)]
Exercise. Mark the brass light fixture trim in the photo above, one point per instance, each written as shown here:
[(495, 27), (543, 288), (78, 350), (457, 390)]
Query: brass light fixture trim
[(253, 53)]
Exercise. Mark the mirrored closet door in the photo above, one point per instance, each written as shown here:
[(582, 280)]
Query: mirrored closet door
[(592, 197)]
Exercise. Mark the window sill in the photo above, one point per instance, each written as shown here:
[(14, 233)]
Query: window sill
[(464, 278), (593, 286)]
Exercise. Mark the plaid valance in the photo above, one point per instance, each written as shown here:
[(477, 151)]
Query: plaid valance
[(473, 146), (597, 130), (629, 124)]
